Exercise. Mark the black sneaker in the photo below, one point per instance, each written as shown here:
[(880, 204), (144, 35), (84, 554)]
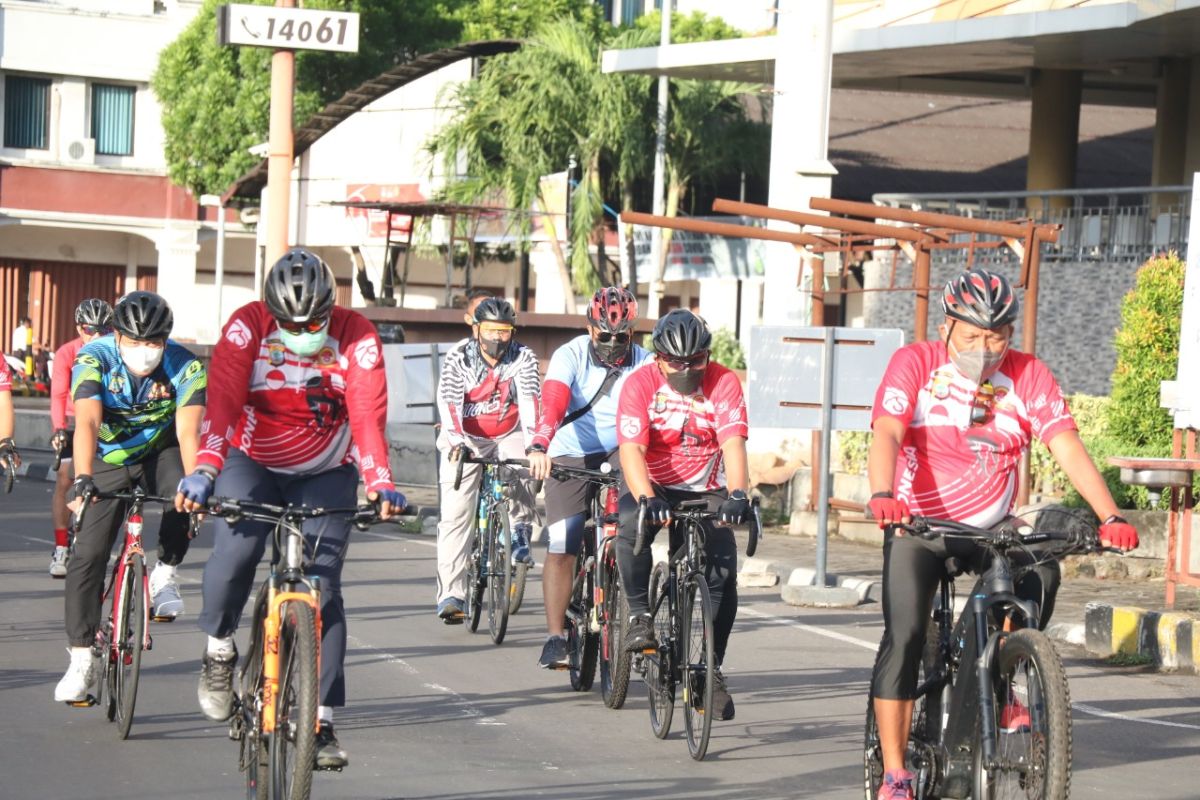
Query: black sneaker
[(554, 654), (215, 691), (722, 702), (330, 754), (639, 635)]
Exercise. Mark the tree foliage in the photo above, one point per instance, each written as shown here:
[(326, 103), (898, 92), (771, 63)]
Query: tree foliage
[(505, 19)]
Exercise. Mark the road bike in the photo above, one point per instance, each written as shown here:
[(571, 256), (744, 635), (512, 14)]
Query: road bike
[(489, 563), (681, 608), (275, 711), (124, 635), (972, 668)]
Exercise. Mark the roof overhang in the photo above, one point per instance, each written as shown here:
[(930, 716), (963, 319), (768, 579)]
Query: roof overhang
[(749, 60)]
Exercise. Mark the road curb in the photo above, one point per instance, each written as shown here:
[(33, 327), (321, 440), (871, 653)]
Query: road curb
[(1169, 640), (760, 572), (36, 470)]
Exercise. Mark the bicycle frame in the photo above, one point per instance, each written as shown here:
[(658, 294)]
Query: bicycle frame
[(130, 549)]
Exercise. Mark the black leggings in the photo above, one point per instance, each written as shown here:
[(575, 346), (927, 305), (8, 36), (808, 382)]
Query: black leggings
[(720, 553), (912, 568)]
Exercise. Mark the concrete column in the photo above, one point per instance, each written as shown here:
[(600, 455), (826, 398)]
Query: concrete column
[(1054, 133), (131, 262), (1191, 159), (177, 251), (1170, 129)]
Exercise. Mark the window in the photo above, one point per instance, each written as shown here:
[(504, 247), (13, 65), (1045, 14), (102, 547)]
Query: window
[(26, 112), (112, 119)]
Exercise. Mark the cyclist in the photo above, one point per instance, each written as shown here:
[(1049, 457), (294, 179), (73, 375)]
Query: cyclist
[(578, 428), (93, 319), (8, 448), (296, 413), (951, 420), (487, 402), (682, 433), (139, 398)]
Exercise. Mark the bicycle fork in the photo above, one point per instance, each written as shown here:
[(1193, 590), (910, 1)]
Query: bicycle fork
[(272, 625)]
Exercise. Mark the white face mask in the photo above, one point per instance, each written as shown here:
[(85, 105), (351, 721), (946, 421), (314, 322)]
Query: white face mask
[(141, 359)]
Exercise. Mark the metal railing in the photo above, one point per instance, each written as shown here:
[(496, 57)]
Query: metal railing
[(1102, 225)]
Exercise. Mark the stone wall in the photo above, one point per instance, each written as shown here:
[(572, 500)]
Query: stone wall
[(1079, 311)]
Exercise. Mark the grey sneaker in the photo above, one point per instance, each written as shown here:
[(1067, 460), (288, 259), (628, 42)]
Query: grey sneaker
[(166, 602), (215, 692), (330, 754), (554, 654)]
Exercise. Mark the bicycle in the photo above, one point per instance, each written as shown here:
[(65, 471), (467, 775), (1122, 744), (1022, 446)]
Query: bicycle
[(489, 563), (275, 712), (10, 468), (124, 635), (971, 668), (596, 610), (686, 654)]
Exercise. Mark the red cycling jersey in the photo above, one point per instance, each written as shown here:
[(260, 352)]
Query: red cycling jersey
[(62, 406), (949, 467), (298, 414), (5, 375), (682, 434)]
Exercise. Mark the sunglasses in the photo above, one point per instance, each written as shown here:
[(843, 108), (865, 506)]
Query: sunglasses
[(604, 337), (698, 360), (93, 330), (312, 326)]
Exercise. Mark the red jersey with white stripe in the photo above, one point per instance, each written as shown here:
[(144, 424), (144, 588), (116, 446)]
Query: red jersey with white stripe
[(298, 414), (682, 434), (5, 376), (62, 407), (953, 469)]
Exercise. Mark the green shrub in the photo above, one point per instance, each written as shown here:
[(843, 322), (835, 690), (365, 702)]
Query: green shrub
[(853, 447), (727, 350)]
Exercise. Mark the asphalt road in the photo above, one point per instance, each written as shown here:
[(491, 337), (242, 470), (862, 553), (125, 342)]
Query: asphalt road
[(437, 712)]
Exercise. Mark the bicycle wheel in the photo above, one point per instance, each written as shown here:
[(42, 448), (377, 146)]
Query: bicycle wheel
[(476, 580), (660, 665), (614, 661), (127, 639), (500, 572), (1035, 756), (699, 663), (292, 746), (517, 592), (254, 756), (581, 641)]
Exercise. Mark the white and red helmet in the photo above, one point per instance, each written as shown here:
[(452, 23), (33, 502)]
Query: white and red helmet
[(613, 309)]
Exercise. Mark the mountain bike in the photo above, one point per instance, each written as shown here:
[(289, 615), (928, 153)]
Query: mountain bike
[(123, 636), (489, 566), (595, 600), (681, 608), (972, 668), (275, 711)]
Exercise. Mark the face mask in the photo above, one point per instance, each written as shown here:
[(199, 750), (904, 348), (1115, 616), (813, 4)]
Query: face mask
[(976, 365), (494, 348), (302, 344), (686, 381), (141, 360), (611, 353)]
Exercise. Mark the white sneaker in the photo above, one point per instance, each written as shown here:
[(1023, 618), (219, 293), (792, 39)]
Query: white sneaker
[(77, 684), (58, 562), (164, 593)]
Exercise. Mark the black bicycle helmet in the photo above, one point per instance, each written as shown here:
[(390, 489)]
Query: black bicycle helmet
[(681, 334), (981, 298), (496, 309), (300, 287), (95, 312), (143, 315)]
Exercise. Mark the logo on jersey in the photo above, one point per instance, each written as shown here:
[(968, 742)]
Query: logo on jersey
[(116, 384), (275, 379), (895, 401), (160, 391), (630, 427), (238, 334), (276, 354), (326, 358), (367, 354)]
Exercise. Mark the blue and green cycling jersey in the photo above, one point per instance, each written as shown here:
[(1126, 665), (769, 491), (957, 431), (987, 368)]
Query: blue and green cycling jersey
[(139, 413)]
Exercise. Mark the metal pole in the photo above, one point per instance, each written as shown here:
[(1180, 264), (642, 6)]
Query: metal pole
[(921, 283), (660, 170), (219, 280), (280, 142), (826, 436)]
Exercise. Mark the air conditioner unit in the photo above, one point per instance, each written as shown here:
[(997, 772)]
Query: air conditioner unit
[(82, 151)]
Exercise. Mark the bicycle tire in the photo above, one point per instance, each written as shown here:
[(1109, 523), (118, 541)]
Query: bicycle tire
[(582, 649), (127, 641), (499, 571), (254, 757), (476, 580), (660, 675), (108, 687), (614, 661), (1049, 735), (292, 747), (699, 664), (517, 593)]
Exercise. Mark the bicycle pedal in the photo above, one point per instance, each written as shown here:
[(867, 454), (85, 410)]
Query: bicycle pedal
[(162, 618), (317, 768), (88, 703)]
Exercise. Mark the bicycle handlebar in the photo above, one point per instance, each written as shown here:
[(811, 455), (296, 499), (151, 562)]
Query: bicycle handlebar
[(1006, 537), (698, 510), (468, 458), (605, 474), (232, 509), (129, 495)]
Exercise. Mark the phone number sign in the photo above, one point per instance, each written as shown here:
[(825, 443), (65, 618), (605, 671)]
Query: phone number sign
[(288, 28)]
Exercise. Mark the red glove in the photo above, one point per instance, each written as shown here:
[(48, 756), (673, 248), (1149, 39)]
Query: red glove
[(887, 510), (1116, 532)]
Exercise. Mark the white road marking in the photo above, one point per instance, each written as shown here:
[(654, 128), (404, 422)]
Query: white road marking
[(396, 538), (1100, 712)]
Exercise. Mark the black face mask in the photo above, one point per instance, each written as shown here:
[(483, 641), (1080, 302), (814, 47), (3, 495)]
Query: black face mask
[(686, 381), (493, 348), (611, 353)]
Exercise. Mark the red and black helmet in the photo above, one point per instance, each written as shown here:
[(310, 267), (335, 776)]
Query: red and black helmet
[(613, 309), (981, 298)]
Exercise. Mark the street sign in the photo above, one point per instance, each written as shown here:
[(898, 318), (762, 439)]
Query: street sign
[(287, 28)]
